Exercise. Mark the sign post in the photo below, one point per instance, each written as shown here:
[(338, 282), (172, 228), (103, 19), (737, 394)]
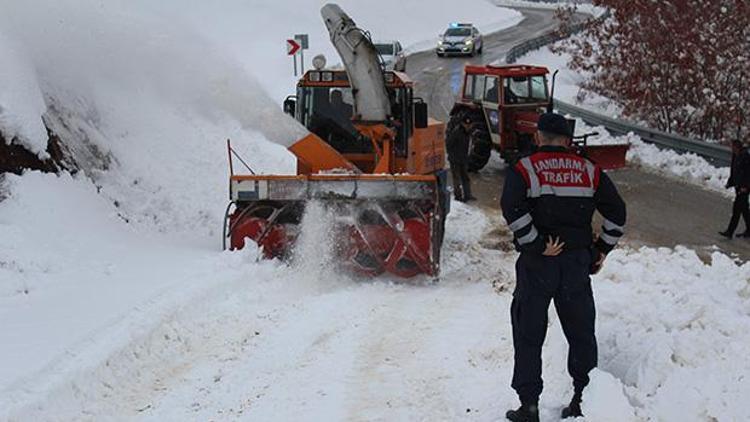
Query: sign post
[(303, 41), (296, 47), (292, 47)]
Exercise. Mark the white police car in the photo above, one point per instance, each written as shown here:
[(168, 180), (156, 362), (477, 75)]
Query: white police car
[(460, 38)]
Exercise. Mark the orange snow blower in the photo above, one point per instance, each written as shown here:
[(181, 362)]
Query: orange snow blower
[(373, 156)]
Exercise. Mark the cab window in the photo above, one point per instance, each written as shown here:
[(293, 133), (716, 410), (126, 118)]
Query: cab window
[(479, 84), (538, 88), (525, 89), (490, 89), (469, 87)]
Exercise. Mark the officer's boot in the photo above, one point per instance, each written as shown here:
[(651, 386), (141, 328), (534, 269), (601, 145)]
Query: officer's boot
[(574, 408), (525, 413)]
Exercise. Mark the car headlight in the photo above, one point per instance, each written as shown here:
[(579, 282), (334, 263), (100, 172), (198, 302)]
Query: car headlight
[(469, 42), (440, 42)]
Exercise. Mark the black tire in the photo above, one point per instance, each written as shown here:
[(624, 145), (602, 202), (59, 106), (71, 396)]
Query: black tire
[(481, 48), (481, 142), (440, 55)]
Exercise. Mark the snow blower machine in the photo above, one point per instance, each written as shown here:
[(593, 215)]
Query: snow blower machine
[(373, 157), (504, 104)]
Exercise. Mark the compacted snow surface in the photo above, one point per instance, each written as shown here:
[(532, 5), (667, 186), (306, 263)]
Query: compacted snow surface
[(116, 302)]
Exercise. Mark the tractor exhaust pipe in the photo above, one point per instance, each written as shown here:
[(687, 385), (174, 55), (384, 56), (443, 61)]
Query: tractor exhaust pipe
[(551, 105)]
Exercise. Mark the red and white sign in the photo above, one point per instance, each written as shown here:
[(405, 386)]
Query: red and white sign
[(292, 47)]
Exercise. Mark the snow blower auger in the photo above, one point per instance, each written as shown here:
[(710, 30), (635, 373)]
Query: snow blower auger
[(504, 104), (373, 157)]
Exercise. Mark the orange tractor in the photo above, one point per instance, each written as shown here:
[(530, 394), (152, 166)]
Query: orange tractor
[(373, 156), (504, 103)]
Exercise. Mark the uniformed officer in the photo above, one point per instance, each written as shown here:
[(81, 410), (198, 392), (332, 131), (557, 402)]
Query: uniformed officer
[(549, 199), (457, 144), (739, 179)]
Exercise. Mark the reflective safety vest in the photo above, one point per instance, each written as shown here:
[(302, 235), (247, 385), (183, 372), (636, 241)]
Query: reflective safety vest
[(554, 192)]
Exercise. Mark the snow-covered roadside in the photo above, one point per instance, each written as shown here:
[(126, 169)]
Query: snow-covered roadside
[(268, 341), (687, 167), (584, 7), (672, 329), (20, 96)]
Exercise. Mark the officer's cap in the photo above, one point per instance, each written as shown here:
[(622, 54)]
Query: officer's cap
[(554, 123)]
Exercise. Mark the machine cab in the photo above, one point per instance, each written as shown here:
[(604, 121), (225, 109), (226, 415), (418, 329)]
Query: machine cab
[(324, 105)]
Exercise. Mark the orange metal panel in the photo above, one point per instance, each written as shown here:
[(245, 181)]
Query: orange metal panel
[(427, 151), (316, 155)]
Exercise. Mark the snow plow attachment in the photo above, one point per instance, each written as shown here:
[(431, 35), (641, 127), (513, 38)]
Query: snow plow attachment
[(383, 223), (608, 157)]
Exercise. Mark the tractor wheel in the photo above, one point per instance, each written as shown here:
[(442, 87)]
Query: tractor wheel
[(481, 142)]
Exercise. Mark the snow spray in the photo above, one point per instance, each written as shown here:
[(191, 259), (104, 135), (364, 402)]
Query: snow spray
[(314, 253)]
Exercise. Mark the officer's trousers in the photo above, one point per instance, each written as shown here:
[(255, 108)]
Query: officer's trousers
[(564, 279), (461, 181), (739, 208)]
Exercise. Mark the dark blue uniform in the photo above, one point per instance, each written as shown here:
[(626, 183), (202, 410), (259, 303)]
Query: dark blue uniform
[(739, 179), (554, 193)]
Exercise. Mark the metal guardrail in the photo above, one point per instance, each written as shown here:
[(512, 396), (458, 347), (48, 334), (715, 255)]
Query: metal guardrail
[(716, 154), (535, 43)]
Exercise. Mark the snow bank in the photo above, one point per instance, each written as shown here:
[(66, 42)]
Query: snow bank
[(583, 7), (605, 399), (155, 102), (21, 101), (672, 329)]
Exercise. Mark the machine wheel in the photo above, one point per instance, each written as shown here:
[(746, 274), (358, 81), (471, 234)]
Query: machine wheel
[(440, 55), (481, 142), (481, 49)]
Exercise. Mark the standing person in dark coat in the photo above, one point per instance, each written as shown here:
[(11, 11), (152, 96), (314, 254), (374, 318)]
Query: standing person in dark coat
[(457, 144), (549, 200), (739, 179)]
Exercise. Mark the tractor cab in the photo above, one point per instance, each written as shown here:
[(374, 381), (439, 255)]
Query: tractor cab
[(514, 86), (511, 97), (324, 104), (505, 102)]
